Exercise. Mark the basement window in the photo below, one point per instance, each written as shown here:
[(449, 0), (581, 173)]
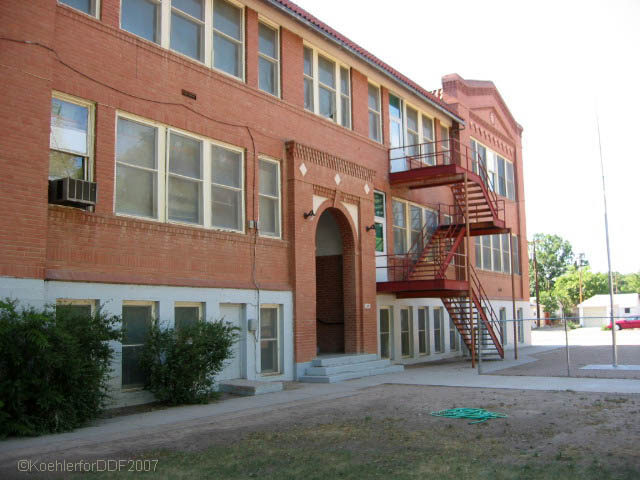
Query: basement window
[(270, 339)]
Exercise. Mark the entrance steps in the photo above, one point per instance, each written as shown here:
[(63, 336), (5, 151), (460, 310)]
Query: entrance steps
[(337, 368)]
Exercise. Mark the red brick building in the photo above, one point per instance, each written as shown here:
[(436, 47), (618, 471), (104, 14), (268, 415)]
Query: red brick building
[(242, 160)]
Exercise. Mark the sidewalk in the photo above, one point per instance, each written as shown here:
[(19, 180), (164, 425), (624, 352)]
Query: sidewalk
[(458, 374)]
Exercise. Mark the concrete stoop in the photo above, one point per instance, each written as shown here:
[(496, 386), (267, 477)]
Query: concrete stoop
[(249, 388), (332, 369)]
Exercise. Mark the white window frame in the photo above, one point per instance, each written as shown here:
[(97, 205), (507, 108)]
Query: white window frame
[(493, 170), (520, 320), (273, 26), (278, 338), (389, 334), (439, 331), (95, 4), (338, 88), (198, 305), (426, 330), (409, 331), (504, 325), (407, 217), (164, 39), (162, 151), (154, 318), (93, 303), (91, 126), (505, 267), (278, 199), (376, 113)]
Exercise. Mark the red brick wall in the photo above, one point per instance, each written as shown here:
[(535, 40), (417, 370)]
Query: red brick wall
[(329, 304)]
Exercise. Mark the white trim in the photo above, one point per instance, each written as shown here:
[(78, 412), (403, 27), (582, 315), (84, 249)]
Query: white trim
[(278, 198), (276, 61), (278, 338), (378, 113), (96, 7)]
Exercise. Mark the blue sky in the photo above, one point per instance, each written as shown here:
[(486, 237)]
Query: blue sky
[(555, 63)]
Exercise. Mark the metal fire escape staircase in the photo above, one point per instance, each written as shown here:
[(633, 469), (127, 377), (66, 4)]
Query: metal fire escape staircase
[(437, 264)]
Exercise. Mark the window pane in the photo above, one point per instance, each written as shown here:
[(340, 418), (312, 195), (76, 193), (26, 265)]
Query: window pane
[(69, 124), (374, 98), (497, 258), (132, 374), (308, 61), (427, 129), (398, 214), (395, 106), (478, 253), (344, 81), (227, 55), (226, 167), (379, 238), (267, 76), (227, 208), (228, 19), (511, 191), (399, 241), (502, 179), (506, 258), (269, 356), (80, 312), (327, 103), (268, 41), (308, 94), (65, 165), (269, 221), (416, 218), (136, 144), (186, 316), (191, 7), (486, 252), (326, 71), (142, 18), (268, 323), (184, 156), (136, 321), (412, 119), (378, 204), (374, 126), (345, 106), (135, 191), (82, 5), (186, 37), (184, 200), (268, 178)]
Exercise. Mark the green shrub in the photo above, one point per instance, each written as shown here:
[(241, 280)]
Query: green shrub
[(54, 367), (181, 364)]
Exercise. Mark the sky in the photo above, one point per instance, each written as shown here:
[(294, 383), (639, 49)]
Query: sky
[(557, 64)]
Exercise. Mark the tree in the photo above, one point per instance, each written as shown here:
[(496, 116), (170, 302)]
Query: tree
[(554, 256), (567, 286), (629, 283)]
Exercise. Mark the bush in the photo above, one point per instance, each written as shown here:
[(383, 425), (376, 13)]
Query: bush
[(181, 364), (54, 367)]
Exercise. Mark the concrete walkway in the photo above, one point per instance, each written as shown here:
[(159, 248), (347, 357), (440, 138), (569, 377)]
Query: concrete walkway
[(456, 374)]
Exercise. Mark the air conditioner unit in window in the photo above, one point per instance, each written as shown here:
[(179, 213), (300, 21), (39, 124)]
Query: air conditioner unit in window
[(72, 192)]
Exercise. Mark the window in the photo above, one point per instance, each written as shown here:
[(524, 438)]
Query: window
[(385, 333), (327, 87), (409, 221), (76, 308), (375, 124), (493, 253), (427, 136), (506, 257), (423, 331), (520, 316), (438, 331), (399, 227), (136, 323), (90, 7), (515, 242), (194, 181), (486, 252), (496, 246), (454, 344), (405, 332), (71, 138), (499, 171), (269, 193), (268, 67), (269, 339), (379, 208), (446, 145), (511, 183), (187, 314), (503, 325), (627, 309), (413, 137), (209, 31)]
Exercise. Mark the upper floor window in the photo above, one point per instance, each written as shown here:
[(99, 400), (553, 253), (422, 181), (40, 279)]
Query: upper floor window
[(409, 220), (493, 252), (268, 54), (269, 193), (497, 172), (209, 31), (90, 7), (71, 138), (375, 124), (327, 87), (166, 175)]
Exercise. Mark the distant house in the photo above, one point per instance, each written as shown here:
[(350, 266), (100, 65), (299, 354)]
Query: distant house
[(596, 311)]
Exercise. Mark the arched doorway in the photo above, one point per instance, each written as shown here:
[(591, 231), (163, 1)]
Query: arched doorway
[(335, 284)]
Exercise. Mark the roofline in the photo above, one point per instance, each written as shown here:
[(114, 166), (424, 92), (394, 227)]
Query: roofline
[(358, 54)]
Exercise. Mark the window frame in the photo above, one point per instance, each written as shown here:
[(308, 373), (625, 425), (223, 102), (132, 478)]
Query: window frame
[(278, 199), (315, 81), (93, 303), (275, 27), (89, 171), (493, 169), (389, 334), (427, 331), (454, 337), (96, 7), (154, 318), (163, 132), (377, 114), (407, 205), (199, 305), (439, 330), (409, 332), (278, 338)]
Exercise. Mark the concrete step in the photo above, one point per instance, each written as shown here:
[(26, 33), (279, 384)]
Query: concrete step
[(350, 367), (340, 377), (249, 388), (334, 360)]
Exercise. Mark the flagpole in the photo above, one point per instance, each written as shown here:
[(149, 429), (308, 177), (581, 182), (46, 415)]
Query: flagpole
[(606, 229)]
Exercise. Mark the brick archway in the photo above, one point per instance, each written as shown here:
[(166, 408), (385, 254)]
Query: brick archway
[(336, 316)]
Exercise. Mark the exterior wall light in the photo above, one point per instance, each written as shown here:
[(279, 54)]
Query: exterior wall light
[(310, 213), (371, 227)]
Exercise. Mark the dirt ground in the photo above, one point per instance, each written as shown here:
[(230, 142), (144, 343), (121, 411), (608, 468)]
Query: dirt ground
[(553, 363), (575, 429)]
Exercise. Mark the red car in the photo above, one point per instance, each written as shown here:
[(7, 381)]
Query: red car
[(628, 322)]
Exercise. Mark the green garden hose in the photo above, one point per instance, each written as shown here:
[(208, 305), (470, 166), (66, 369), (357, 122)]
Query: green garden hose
[(480, 415)]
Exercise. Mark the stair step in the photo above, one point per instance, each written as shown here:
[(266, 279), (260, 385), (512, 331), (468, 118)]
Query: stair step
[(351, 375), (340, 359), (350, 367), (249, 388)]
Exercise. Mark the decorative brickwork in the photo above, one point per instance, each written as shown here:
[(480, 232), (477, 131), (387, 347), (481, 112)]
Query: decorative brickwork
[(310, 154)]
